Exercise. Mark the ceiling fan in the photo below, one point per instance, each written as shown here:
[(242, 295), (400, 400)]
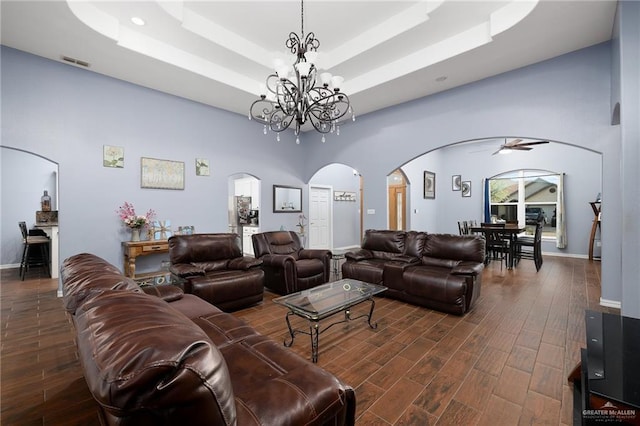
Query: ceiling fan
[(517, 145)]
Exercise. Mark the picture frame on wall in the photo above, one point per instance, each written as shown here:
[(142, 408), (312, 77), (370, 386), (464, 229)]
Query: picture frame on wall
[(161, 174), (202, 167), (113, 156), (456, 182), (465, 187), (429, 185)]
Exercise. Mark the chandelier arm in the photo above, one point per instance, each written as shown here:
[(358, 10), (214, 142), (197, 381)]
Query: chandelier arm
[(287, 101)]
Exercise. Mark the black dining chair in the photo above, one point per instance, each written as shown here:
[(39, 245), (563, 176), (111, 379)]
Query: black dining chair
[(497, 243), (527, 247), (31, 257)]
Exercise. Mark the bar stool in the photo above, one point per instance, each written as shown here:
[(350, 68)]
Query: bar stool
[(29, 258)]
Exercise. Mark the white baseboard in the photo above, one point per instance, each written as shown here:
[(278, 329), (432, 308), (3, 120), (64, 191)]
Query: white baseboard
[(10, 266), (610, 303)]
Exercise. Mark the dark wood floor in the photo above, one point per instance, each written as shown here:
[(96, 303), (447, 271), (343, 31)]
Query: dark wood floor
[(504, 363)]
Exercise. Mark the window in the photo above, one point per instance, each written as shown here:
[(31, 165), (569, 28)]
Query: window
[(526, 196)]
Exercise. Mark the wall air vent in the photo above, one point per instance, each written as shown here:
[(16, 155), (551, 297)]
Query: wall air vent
[(75, 61)]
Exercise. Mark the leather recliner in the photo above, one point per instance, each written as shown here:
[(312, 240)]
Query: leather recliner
[(288, 267), (216, 270)]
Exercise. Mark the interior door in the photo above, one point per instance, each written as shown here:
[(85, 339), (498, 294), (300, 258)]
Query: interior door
[(397, 207), (320, 217)]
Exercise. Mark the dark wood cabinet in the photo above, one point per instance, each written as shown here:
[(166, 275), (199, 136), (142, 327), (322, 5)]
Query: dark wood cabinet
[(607, 380)]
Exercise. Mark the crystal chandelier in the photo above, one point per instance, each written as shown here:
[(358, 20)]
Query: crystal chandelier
[(292, 96)]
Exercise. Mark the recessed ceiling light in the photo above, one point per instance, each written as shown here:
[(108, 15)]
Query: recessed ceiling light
[(138, 21), (441, 78)]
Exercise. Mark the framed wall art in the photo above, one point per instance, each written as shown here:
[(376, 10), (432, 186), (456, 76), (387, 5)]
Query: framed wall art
[(465, 187), (202, 167), (161, 174), (113, 156), (429, 185), (456, 182), (344, 196)]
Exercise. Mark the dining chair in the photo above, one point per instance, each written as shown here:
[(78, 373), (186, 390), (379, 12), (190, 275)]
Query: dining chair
[(497, 243), (527, 247), (30, 258)]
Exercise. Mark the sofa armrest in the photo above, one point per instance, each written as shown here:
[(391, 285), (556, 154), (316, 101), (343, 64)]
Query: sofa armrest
[(467, 268), (186, 270), (357, 255), (314, 254), (277, 260), (244, 263), (166, 292)]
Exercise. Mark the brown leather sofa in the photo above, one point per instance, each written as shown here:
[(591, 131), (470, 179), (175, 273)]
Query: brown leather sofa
[(289, 267), (168, 358), (216, 270), (438, 271)]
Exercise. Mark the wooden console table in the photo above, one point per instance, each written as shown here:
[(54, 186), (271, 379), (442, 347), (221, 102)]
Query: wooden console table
[(133, 249)]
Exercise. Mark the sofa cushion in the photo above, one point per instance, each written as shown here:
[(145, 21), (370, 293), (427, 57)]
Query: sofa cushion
[(383, 242), (370, 270), (271, 382), (188, 249), (458, 247), (147, 363), (213, 265), (309, 267), (78, 273), (166, 292)]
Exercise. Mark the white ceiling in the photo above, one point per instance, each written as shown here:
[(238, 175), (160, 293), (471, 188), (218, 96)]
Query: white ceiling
[(389, 52)]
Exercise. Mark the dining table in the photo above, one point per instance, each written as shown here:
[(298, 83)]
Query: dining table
[(510, 231)]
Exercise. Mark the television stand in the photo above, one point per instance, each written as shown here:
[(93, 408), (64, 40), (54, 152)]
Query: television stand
[(606, 383)]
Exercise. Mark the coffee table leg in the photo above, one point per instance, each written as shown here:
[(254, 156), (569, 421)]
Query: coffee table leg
[(291, 332), (373, 305), (314, 332)]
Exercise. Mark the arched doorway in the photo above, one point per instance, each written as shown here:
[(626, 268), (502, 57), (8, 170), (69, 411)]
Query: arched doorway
[(244, 208)]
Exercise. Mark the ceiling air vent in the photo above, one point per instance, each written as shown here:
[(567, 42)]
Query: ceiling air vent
[(76, 61)]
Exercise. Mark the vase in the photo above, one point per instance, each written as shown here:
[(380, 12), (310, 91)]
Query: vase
[(135, 234)]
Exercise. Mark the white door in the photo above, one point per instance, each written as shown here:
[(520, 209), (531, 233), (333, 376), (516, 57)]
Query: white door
[(320, 217)]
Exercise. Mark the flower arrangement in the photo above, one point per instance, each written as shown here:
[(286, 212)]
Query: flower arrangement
[(301, 221), (130, 219)]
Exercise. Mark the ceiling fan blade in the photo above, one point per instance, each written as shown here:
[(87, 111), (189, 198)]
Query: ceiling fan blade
[(520, 148), (512, 143), (498, 151), (533, 143)]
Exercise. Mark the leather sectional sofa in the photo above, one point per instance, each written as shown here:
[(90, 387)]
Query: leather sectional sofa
[(215, 269), (166, 358), (437, 271)]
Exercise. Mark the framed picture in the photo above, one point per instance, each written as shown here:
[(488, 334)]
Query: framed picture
[(113, 156), (202, 167), (287, 199), (161, 174), (465, 187), (344, 196), (429, 184), (456, 183)]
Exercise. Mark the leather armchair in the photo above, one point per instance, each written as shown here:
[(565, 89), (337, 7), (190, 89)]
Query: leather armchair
[(215, 269), (288, 267)]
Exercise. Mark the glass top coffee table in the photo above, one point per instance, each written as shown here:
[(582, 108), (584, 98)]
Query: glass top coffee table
[(319, 303)]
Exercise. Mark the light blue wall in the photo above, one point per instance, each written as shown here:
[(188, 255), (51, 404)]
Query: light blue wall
[(629, 53), (346, 214), (475, 162), (68, 114), (565, 99), (24, 177)]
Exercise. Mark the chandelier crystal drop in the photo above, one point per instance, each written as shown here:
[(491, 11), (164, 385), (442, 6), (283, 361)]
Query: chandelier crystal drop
[(300, 93)]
